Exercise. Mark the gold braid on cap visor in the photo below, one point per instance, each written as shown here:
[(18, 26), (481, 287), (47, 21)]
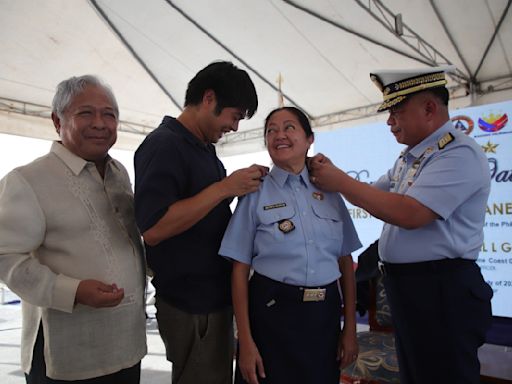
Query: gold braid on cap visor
[(417, 88), (390, 103), (424, 82)]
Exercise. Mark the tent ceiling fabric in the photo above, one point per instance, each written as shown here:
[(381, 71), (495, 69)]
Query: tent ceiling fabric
[(148, 50)]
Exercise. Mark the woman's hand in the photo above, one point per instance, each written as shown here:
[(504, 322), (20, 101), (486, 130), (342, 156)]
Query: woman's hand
[(250, 362), (347, 349)]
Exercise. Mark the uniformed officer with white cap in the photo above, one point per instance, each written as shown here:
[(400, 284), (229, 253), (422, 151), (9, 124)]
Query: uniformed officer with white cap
[(433, 203)]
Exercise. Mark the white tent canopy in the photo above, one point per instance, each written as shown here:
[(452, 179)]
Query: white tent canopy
[(148, 50)]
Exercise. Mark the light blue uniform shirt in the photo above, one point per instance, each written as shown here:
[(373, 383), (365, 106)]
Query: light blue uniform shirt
[(447, 172), (305, 256)]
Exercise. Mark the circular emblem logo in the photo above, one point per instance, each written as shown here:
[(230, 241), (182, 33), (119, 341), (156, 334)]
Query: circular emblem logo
[(286, 226), (463, 123)]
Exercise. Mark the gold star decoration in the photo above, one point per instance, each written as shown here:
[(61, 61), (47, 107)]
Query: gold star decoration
[(489, 147)]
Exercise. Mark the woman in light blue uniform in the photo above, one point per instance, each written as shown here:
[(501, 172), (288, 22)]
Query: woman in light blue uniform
[(298, 240)]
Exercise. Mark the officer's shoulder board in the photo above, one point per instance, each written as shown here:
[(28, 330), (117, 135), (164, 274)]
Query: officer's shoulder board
[(445, 140)]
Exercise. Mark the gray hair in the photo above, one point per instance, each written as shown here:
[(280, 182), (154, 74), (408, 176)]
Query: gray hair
[(68, 89)]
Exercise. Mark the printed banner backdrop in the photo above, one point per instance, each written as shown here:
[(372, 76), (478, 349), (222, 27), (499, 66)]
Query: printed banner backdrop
[(366, 152)]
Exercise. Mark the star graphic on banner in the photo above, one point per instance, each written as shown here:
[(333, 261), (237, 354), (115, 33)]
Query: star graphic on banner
[(489, 147)]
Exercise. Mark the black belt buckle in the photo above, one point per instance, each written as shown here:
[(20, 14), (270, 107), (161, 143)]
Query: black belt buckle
[(382, 268)]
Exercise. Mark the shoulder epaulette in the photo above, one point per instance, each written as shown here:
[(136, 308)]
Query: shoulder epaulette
[(445, 140)]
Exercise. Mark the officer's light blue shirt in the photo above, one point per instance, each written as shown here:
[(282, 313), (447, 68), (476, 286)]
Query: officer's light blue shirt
[(447, 172), (260, 234)]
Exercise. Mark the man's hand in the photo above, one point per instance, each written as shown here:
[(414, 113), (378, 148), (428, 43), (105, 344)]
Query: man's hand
[(96, 294), (318, 159), (324, 174), (245, 180), (250, 362), (393, 208), (183, 214)]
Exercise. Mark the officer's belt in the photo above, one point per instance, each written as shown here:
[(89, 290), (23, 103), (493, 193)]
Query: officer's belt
[(294, 292), (424, 267)]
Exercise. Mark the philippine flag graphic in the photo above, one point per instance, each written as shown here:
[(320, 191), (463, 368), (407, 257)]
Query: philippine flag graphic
[(492, 123)]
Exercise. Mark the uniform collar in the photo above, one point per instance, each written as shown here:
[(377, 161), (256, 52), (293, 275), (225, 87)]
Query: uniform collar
[(430, 141), (280, 176), (75, 163)]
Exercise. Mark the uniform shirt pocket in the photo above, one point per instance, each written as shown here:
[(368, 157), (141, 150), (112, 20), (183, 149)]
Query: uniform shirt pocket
[(269, 220), (328, 220)]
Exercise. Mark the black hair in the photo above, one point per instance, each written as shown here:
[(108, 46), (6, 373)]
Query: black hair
[(301, 116), (232, 86), (441, 93)]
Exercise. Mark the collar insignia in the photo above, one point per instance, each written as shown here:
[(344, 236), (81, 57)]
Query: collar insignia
[(318, 196)]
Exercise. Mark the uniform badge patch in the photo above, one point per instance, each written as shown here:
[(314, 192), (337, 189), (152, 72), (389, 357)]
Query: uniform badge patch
[(286, 226)]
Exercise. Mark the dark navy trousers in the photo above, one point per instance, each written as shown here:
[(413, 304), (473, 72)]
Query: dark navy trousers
[(297, 340), (440, 317)]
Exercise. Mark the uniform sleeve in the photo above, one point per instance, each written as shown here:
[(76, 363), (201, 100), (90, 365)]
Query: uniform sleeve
[(159, 179), (350, 238), (238, 241), (22, 231), (384, 182), (449, 179)]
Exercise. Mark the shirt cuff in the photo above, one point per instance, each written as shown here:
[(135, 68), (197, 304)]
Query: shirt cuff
[(64, 293)]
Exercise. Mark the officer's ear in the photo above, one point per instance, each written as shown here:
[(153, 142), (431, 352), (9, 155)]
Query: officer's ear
[(430, 106)]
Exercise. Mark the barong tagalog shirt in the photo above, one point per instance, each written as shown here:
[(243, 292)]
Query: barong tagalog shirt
[(61, 223)]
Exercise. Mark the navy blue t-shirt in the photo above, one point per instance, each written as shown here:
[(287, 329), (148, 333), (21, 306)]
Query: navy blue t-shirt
[(171, 165)]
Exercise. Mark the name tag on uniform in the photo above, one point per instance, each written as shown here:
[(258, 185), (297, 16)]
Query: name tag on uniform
[(274, 206), (315, 294)]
